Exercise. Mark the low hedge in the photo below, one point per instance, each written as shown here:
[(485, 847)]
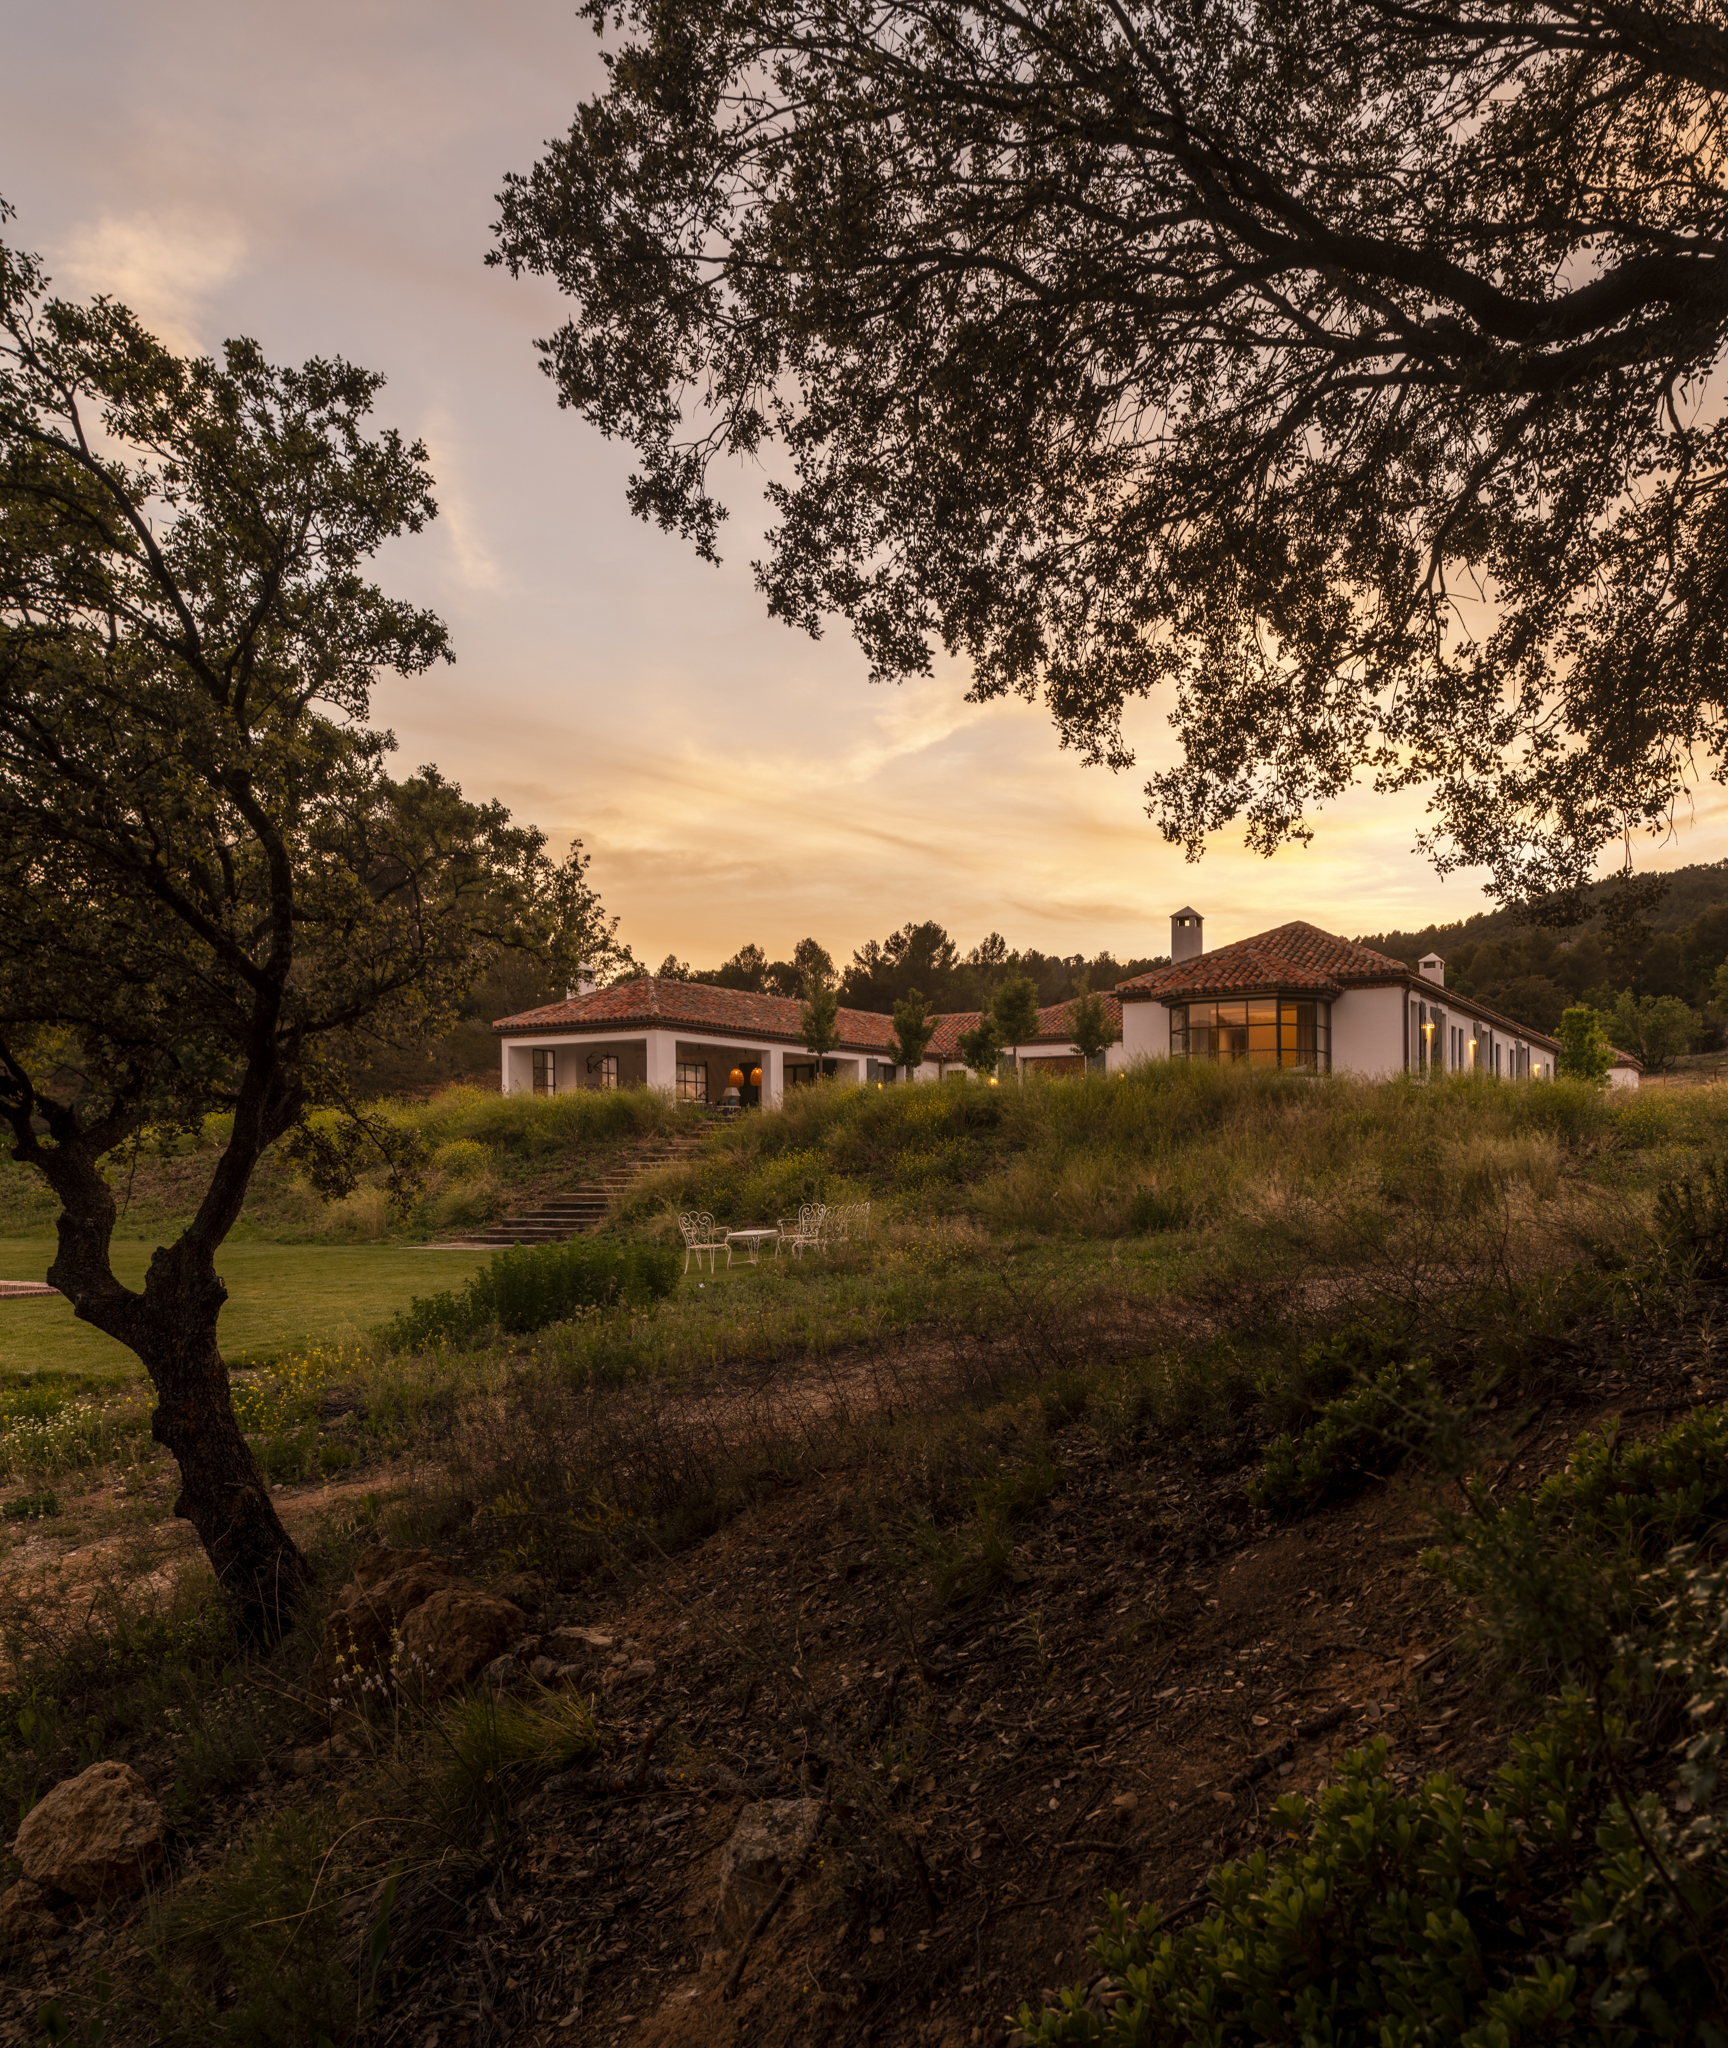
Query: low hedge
[(529, 1286)]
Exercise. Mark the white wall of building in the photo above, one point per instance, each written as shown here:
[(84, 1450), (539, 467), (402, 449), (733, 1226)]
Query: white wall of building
[(651, 1058), (1368, 1032), (1145, 1034)]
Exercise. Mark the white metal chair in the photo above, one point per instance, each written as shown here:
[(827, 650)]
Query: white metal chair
[(851, 1221), (700, 1235), (807, 1233)]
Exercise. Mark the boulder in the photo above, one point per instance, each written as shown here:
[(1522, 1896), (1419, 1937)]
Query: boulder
[(99, 1835), (527, 1590), (768, 1841), (359, 1632), (452, 1636)]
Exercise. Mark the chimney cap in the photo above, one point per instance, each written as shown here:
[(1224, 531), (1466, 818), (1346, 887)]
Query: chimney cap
[(1187, 910)]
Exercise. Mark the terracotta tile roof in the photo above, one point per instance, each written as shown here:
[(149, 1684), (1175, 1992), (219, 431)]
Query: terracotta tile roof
[(1301, 959), (1294, 957), (695, 1006), (1053, 1027)]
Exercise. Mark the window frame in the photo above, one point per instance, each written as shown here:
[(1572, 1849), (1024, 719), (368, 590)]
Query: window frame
[(1286, 1016)]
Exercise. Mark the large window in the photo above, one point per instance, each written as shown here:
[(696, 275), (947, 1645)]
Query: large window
[(800, 1073), (1266, 1033), (692, 1081), (602, 1070), (545, 1071)]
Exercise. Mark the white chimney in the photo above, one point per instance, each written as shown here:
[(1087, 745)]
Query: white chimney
[(1433, 969), (584, 983), (1186, 942)]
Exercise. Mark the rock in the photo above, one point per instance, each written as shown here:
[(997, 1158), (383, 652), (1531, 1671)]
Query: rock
[(319, 1756), (767, 1842), (96, 1836), (526, 1590), (1128, 1801), (452, 1636), (503, 1672), (637, 1672), (545, 1670), (27, 1916), (580, 1642), (386, 1588)]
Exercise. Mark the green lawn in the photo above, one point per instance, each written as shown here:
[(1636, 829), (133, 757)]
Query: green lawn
[(279, 1296)]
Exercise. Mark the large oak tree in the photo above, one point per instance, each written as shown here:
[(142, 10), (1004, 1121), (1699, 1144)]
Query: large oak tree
[(212, 895), (1336, 370)]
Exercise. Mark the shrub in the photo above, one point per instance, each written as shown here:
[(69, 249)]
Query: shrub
[(1557, 1577), (529, 1286), (462, 1159), (1558, 1905), (1366, 1430), (1692, 1219)]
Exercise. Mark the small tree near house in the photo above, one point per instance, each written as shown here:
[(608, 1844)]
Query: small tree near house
[(981, 1047), (212, 896), (1090, 1028), (1015, 1010), (820, 1018), (914, 1027)]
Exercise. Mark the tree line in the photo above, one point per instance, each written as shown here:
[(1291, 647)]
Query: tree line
[(920, 957)]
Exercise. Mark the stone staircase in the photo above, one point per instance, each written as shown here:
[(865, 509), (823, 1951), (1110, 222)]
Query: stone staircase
[(562, 1217)]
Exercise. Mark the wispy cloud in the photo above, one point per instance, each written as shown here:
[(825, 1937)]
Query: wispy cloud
[(166, 267)]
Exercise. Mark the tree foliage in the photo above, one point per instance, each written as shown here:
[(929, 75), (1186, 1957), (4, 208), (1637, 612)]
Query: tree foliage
[(1337, 372), (1015, 1010), (914, 1027), (1585, 1054), (212, 895), (820, 1018), (1090, 1027)]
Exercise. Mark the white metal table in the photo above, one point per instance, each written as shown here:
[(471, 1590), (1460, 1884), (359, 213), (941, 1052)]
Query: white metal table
[(751, 1241)]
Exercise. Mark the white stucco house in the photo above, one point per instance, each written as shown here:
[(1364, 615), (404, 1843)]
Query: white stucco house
[(1300, 997), (1292, 997)]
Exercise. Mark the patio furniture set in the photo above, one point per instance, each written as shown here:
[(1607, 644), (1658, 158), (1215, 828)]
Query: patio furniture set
[(819, 1227)]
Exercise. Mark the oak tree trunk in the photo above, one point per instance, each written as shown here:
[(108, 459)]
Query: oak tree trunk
[(171, 1326)]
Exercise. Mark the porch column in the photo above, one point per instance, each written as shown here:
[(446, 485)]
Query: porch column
[(773, 1076), (663, 1061)]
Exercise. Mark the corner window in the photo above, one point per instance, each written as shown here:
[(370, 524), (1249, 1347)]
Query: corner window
[(1268, 1033), (545, 1071), (692, 1081)]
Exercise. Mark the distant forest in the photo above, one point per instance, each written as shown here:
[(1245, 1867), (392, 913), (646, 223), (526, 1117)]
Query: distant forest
[(1531, 974)]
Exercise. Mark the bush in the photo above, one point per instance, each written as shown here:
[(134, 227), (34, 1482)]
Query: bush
[(1583, 1897), (1557, 1577), (1367, 1430), (529, 1286), (462, 1159), (1692, 1219)]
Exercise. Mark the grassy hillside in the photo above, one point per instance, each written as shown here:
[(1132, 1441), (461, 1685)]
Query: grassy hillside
[(481, 1152), (1217, 1523)]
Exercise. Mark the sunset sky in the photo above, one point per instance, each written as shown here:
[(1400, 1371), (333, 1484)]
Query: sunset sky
[(322, 177)]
